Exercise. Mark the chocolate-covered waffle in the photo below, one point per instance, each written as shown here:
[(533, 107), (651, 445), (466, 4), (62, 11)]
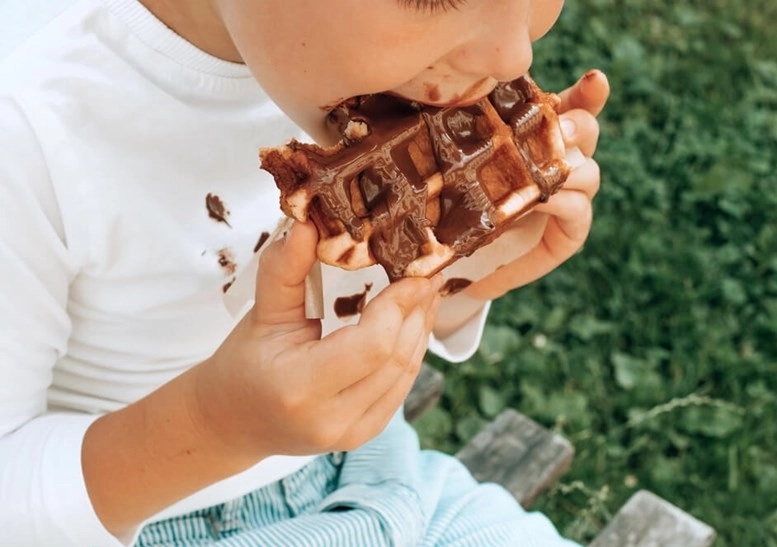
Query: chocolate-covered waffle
[(414, 187)]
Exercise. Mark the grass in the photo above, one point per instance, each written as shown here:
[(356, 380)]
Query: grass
[(654, 350)]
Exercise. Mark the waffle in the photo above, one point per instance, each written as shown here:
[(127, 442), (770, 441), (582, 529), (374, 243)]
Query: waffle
[(414, 187)]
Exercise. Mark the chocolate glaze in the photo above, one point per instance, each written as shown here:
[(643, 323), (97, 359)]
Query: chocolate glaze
[(380, 163), (461, 148), (392, 189)]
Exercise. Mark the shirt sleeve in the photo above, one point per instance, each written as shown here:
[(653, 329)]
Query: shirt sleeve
[(462, 344), (42, 491)]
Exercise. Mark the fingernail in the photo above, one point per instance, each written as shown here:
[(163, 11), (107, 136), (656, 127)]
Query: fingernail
[(568, 128)]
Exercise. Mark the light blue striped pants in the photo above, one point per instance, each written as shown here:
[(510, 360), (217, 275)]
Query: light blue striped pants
[(386, 493)]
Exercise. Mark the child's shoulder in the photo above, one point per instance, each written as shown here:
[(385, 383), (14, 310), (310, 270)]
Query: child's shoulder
[(45, 36), (23, 19)]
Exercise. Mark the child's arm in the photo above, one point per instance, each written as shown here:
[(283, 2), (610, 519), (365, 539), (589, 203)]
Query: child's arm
[(273, 387), (555, 230)]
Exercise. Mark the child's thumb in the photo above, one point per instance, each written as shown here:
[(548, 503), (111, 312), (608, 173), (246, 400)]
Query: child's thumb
[(283, 266), (589, 93)]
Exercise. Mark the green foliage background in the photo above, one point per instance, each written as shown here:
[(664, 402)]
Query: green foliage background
[(654, 350)]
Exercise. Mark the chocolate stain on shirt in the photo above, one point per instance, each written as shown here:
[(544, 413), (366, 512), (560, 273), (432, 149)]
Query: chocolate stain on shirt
[(262, 240), (216, 209), (227, 261), (348, 306), (228, 265)]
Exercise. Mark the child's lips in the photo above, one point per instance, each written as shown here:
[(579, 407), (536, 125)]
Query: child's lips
[(433, 97), (471, 95), (455, 102)]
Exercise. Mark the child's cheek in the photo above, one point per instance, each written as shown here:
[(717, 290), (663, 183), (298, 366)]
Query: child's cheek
[(544, 14)]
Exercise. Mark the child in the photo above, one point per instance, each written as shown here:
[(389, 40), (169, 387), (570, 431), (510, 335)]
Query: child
[(147, 397)]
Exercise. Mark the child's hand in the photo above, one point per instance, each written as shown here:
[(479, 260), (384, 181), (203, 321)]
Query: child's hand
[(556, 230), (275, 387)]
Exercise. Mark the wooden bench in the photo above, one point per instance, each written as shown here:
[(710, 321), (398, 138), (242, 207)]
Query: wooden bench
[(526, 458)]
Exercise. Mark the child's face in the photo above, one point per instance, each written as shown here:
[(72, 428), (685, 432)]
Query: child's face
[(311, 54)]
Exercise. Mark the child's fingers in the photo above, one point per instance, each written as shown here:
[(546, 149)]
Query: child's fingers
[(570, 211), (584, 178), (399, 300), (358, 397), (570, 217), (404, 292), (349, 354), (589, 93), (349, 383), (283, 266), (375, 419), (388, 321), (411, 347), (580, 129), (380, 395)]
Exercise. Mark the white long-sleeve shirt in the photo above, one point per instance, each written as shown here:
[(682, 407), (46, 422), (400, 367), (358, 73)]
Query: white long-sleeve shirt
[(113, 130)]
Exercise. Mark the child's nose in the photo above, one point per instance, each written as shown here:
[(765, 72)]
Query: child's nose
[(500, 46), (502, 34)]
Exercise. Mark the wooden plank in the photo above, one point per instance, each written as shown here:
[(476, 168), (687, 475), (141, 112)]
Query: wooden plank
[(519, 454), (647, 520), (425, 393)]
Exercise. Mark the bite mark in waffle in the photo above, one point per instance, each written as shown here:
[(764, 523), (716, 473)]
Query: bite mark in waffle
[(414, 187)]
